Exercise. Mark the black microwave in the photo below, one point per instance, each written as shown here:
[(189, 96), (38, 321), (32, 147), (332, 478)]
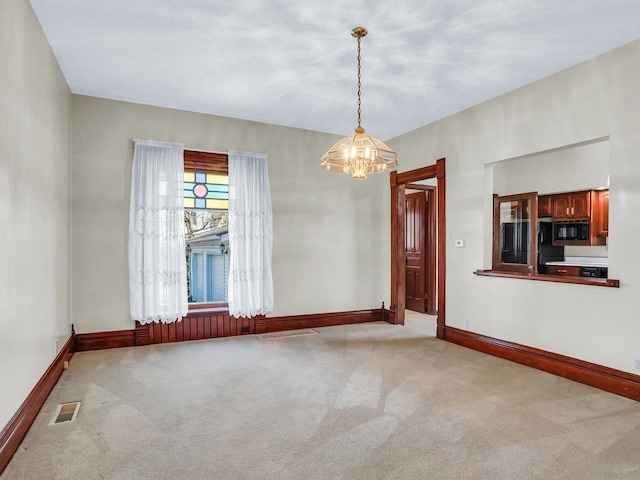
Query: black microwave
[(574, 232)]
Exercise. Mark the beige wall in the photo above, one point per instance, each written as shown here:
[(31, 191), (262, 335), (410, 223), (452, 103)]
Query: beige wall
[(578, 167), (597, 99), (34, 205), (328, 253)]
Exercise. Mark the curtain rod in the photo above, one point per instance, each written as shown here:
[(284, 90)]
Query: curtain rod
[(186, 148), (206, 151)]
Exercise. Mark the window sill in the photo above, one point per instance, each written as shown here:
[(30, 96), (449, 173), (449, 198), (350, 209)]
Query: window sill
[(541, 277), (202, 308)]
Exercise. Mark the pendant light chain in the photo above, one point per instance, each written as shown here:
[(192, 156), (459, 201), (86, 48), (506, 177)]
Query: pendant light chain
[(359, 93), (360, 154)]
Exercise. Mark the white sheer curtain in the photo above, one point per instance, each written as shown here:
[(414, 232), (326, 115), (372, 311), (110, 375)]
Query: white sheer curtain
[(250, 235), (157, 263)]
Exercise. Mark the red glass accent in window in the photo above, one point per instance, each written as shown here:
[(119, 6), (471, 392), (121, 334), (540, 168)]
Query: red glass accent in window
[(200, 191)]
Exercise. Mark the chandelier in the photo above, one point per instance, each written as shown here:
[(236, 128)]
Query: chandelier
[(360, 155)]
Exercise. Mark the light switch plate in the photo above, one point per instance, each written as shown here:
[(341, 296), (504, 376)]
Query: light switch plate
[(459, 243)]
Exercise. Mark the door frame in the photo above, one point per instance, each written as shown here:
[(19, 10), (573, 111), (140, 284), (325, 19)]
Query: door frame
[(398, 183)]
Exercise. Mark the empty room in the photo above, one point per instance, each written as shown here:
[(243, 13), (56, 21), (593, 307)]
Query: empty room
[(284, 240)]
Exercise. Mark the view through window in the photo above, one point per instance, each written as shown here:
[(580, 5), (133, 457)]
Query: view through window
[(206, 203)]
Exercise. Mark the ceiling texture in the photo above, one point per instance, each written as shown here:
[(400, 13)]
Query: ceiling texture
[(293, 62)]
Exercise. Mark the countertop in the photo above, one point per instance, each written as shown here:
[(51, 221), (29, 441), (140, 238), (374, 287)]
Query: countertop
[(583, 262)]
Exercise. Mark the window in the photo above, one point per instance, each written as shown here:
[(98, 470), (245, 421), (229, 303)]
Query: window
[(206, 203)]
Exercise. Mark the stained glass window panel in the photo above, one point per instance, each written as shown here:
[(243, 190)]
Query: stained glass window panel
[(218, 195), (206, 190), (217, 204), (217, 179)]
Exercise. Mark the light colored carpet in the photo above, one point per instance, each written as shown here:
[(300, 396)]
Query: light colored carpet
[(370, 401)]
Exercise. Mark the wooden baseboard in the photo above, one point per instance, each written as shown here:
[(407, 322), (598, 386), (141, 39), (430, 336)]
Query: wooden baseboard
[(101, 340), (14, 432), (295, 322), (201, 325), (598, 376), (197, 325)]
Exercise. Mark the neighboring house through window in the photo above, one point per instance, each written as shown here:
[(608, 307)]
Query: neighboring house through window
[(206, 204)]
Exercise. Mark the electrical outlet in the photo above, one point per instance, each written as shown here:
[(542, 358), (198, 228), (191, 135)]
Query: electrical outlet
[(467, 323), (636, 363)]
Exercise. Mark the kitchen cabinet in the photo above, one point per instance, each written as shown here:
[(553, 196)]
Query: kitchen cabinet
[(572, 206), (544, 206), (572, 210), (602, 223), (573, 270), (519, 210), (561, 206)]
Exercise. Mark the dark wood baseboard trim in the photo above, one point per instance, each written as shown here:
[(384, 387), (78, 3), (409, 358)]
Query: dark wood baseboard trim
[(202, 325), (392, 317), (101, 340), (294, 322), (14, 432), (197, 325), (598, 376)]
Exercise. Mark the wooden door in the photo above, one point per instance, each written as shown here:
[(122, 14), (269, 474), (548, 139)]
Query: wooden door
[(415, 251)]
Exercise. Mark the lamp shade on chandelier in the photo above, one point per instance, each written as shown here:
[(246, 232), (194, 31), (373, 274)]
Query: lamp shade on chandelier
[(361, 154)]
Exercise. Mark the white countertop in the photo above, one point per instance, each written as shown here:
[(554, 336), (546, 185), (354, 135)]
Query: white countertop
[(583, 262)]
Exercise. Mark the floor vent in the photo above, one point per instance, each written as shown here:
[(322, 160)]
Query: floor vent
[(288, 333), (66, 412)]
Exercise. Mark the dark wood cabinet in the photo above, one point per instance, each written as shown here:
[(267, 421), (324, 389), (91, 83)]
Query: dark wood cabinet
[(572, 206), (544, 206), (590, 206), (573, 270), (581, 205), (602, 223), (520, 210), (561, 206)]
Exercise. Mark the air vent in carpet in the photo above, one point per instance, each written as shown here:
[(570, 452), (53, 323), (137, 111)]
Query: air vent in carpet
[(287, 334), (67, 412)]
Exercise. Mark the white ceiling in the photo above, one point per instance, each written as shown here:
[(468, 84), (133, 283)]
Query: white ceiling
[(293, 62)]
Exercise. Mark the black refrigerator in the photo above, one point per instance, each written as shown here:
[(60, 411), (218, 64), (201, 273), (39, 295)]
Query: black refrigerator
[(515, 244), (546, 251)]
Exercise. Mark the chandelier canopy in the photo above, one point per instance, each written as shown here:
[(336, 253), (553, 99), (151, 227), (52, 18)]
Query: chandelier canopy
[(361, 154)]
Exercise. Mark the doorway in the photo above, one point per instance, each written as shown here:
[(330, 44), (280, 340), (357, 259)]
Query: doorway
[(420, 248), (400, 183)]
